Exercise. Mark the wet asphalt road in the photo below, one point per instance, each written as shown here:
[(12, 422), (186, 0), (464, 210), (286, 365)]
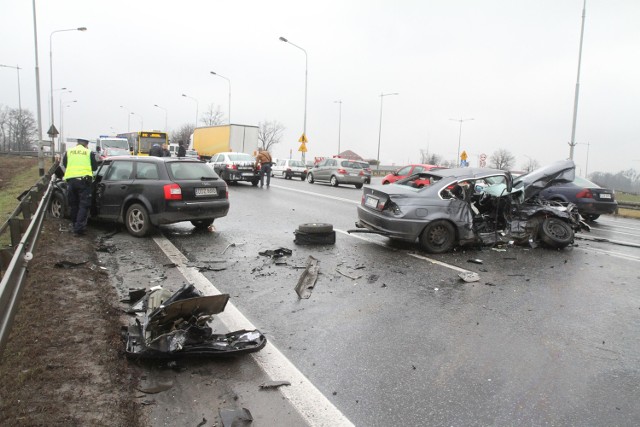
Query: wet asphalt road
[(544, 338)]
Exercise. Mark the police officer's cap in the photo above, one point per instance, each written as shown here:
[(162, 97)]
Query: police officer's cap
[(84, 142)]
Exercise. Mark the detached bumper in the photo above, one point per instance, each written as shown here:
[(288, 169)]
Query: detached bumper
[(191, 211)]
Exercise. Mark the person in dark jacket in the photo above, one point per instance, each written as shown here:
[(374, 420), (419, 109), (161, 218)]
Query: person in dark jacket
[(79, 163), (181, 150), (156, 151), (165, 151), (264, 161)]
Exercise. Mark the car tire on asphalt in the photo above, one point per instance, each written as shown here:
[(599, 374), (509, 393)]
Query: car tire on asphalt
[(137, 220), (358, 186), (255, 182), (592, 217), (334, 181), (315, 227), (438, 237), (310, 178), (303, 177), (202, 223), (56, 208), (556, 233)]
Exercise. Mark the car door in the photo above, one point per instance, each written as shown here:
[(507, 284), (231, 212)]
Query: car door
[(112, 189)]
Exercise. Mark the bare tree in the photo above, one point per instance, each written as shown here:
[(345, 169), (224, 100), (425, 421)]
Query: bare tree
[(182, 134), (502, 159), (429, 158), (270, 133), (17, 129), (213, 116), (530, 165)]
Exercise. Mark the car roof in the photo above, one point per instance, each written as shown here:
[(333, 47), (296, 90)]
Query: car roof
[(153, 159), (461, 173)]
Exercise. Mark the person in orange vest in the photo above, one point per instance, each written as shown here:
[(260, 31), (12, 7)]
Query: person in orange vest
[(79, 163), (263, 159)]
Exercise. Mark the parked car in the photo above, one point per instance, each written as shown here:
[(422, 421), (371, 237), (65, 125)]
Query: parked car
[(143, 192), (591, 199), (191, 153), (406, 171), (288, 168), (451, 212), (234, 167), (366, 167), (107, 152), (337, 171)]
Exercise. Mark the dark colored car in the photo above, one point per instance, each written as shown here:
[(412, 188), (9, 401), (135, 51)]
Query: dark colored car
[(145, 191), (406, 171), (591, 199), (234, 167), (471, 205)]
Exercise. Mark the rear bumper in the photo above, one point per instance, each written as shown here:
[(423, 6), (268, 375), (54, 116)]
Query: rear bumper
[(591, 207), (241, 176), (178, 211), (390, 227)]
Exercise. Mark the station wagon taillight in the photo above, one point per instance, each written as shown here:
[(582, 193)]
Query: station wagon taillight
[(342, 171), (585, 194), (172, 192), (232, 167)]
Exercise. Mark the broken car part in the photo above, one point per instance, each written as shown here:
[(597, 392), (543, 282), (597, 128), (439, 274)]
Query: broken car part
[(315, 234), (177, 325), (308, 278)]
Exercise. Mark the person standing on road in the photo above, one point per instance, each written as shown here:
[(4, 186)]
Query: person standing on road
[(156, 150), (165, 151), (182, 152), (264, 161), (79, 163)]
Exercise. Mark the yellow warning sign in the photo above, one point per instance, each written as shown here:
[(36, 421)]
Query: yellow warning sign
[(303, 139), (303, 148), (463, 155)]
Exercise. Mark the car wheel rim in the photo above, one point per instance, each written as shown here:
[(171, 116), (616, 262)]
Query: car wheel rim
[(56, 208), (557, 230), (136, 220), (439, 236)]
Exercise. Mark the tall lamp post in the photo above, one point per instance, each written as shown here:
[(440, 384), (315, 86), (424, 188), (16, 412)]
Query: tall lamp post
[(19, 135), (196, 101), (339, 122), (461, 120), (40, 142), (165, 115), (128, 117), (51, 68), (228, 81), (382, 95), (572, 144), (306, 69), (62, 107), (60, 138), (141, 120), (586, 168)]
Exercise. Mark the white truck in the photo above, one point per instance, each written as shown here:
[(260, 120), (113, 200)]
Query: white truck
[(211, 140)]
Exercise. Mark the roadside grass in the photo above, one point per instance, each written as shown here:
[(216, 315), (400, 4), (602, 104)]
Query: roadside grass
[(626, 197), (628, 213)]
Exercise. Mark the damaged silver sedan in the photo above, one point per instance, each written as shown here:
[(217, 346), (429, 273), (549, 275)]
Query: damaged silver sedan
[(170, 326), (471, 206)]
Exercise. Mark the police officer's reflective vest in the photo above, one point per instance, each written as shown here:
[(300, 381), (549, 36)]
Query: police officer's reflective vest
[(78, 162)]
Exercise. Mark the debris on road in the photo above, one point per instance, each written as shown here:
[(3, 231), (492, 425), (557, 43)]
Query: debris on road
[(469, 276), (106, 247), (273, 384), (228, 246), (235, 417), (177, 324), (315, 234), (155, 388), (276, 253), (475, 261), (349, 276), (308, 278)]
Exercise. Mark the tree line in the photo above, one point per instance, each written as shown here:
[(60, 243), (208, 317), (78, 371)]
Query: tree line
[(18, 129)]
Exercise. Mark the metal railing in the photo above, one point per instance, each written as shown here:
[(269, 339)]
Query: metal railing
[(23, 226)]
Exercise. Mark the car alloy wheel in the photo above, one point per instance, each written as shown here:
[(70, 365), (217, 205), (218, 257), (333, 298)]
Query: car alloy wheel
[(334, 181), (137, 220), (57, 206), (310, 178)]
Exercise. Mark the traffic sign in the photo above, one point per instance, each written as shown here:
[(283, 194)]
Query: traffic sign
[(303, 139), (303, 148), (463, 155), (483, 157), (52, 132)]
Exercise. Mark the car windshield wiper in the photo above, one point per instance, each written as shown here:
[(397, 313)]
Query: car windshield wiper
[(208, 178)]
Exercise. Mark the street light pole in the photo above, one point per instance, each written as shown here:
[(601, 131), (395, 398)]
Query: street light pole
[(40, 147), (165, 115), (586, 169), (196, 101), (61, 137), (141, 120), (19, 132), (572, 144), (306, 70), (128, 117), (339, 122), (51, 71), (229, 81), (63, 145), (461, 120), (382, 95)]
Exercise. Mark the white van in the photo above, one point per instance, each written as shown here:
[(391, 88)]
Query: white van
[(288, 168)]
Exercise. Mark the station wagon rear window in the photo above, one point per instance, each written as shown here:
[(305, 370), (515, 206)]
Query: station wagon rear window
[(190, 170)]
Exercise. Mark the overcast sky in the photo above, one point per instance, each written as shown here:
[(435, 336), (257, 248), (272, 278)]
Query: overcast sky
[(511, 65)]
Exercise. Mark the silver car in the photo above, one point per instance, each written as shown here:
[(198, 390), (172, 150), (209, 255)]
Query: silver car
[(338, 171), (471, 205)]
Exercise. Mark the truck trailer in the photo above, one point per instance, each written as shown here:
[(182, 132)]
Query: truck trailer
[(211, 140)]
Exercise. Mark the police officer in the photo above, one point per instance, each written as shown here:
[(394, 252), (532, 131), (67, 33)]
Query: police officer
[(80, 163)]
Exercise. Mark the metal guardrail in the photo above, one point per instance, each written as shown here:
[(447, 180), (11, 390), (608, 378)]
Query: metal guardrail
[(629, 205), (14, 259)]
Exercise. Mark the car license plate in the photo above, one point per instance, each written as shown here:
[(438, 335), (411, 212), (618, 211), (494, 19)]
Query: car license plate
[(605, 196), (207, 191), (371, 201)]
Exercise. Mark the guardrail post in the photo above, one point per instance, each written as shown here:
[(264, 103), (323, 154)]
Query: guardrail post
[(15, 228), (5, 259)]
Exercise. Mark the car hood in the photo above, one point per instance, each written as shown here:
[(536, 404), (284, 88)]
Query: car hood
[(534, 182)]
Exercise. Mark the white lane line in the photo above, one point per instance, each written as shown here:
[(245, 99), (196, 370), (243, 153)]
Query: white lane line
[(312, 405), (311, 193), (424, 258), (615, 254)]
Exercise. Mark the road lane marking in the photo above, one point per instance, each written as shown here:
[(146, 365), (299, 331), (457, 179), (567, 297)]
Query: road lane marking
[(615, 254), (421, 257), (311, 404), (311, 193)]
